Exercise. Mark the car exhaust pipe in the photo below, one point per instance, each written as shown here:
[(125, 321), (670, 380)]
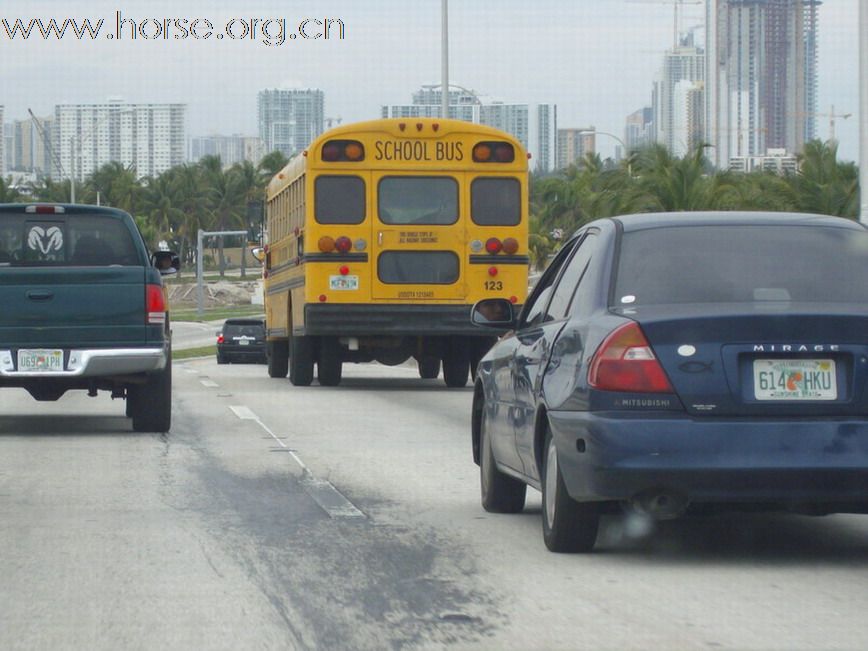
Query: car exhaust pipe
[(661, 504)]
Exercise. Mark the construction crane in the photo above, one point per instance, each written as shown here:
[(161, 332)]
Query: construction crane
[(677, 5), (832, 117)]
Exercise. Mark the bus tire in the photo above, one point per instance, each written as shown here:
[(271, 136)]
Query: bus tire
[(456, 370), (301, 361), (278, 358), (329, 365), (429, 368)]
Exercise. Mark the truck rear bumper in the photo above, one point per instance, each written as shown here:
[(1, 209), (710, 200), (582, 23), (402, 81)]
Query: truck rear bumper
[(92, 363)]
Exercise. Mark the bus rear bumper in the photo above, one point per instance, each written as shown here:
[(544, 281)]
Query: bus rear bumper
[(351, 320)]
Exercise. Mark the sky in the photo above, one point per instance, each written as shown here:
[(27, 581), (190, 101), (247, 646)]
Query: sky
[(595, 59)]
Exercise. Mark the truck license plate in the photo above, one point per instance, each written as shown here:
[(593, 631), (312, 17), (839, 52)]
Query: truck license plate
[(33, 361)]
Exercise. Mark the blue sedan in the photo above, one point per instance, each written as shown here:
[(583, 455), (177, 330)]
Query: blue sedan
[(668, 363)]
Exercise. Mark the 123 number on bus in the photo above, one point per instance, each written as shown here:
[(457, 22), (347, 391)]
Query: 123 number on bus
[(494, 285)]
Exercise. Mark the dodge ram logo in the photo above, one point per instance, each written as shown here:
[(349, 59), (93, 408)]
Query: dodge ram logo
[(45, 241)]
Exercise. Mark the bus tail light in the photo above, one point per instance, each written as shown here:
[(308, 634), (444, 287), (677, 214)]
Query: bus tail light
[(326, 244), (625, 362), (510, 245), (155, 305), (493, 245), (344, 270), (343, 244), (492, 271)]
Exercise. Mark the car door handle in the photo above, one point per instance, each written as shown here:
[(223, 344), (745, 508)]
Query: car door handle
[(40, 295)]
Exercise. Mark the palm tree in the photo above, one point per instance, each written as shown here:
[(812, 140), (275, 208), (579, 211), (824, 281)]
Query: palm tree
[(8, 194), (225, 198), (116, 185), (822, 184), (270, 165), (46, 189)]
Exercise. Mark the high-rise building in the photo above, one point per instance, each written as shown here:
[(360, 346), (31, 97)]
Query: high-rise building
[(573, 144), (29, 151), (231, 149), (679, 82), (150, 138), (289, 119), (538, 136), (2, 143), (761, 76), (639, 129)]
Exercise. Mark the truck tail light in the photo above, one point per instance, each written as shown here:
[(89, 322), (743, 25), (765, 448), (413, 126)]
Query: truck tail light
[(155, 305)]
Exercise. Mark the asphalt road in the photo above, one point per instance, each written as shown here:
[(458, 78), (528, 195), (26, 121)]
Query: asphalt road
[(274, 517)]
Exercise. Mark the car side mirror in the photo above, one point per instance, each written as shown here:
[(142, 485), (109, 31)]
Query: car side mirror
[(493, 313), (166, 262)]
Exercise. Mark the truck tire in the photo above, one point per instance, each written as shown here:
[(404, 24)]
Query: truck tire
[(429, 368), (301, 361), (277, 356), (152, 401)]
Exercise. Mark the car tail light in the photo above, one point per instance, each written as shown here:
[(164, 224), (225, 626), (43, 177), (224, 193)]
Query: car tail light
[(40, 209), (155, 304), (625, 362), (220, 339)]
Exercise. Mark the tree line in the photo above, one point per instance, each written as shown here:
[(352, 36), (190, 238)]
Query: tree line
[(174, 205), (652, 180)]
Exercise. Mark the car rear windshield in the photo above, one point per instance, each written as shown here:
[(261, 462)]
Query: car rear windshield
[(72, 240), (243, 329), (731, 264)]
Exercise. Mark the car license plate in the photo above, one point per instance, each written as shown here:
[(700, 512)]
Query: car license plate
[(244, 342), (795, 379), (34, 361), (343, 282)]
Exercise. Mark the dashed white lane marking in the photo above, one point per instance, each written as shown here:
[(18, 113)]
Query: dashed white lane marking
[(211, 384), (321, 491)]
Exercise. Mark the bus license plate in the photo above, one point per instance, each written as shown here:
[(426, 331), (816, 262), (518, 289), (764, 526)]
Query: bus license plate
[(343, 282), (37, 361), (795, 379)]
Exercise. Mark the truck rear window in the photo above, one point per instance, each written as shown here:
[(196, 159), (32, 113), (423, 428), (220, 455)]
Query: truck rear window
[(72, 240)]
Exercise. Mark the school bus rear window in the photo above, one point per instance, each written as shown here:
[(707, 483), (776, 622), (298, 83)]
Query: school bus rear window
[(339, 200), (495, 202), (429, 200), (418, 267)]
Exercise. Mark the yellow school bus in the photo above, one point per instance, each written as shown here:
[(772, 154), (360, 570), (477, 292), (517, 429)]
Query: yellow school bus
[(381, 236)]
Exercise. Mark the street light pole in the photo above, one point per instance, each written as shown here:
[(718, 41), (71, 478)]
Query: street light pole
[(863, 113), (444, 86)]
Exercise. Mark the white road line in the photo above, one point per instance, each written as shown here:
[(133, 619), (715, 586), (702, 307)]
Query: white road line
[(322, 491), (211, 384)]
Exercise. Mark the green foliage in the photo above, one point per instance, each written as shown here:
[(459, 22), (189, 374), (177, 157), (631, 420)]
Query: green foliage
[(8, 194), (653, 180)]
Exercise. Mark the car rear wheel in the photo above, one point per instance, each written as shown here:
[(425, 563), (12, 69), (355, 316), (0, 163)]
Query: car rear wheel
[(500, 493), (277, 356), (568, 525), (301, 361), (151, 405), (329, 366), (429, 368)]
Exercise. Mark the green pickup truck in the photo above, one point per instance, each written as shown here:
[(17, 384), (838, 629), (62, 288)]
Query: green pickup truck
[(82, 306)]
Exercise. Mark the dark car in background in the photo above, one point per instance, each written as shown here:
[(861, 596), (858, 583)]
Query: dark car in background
[(677, 362), (241, 340)]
